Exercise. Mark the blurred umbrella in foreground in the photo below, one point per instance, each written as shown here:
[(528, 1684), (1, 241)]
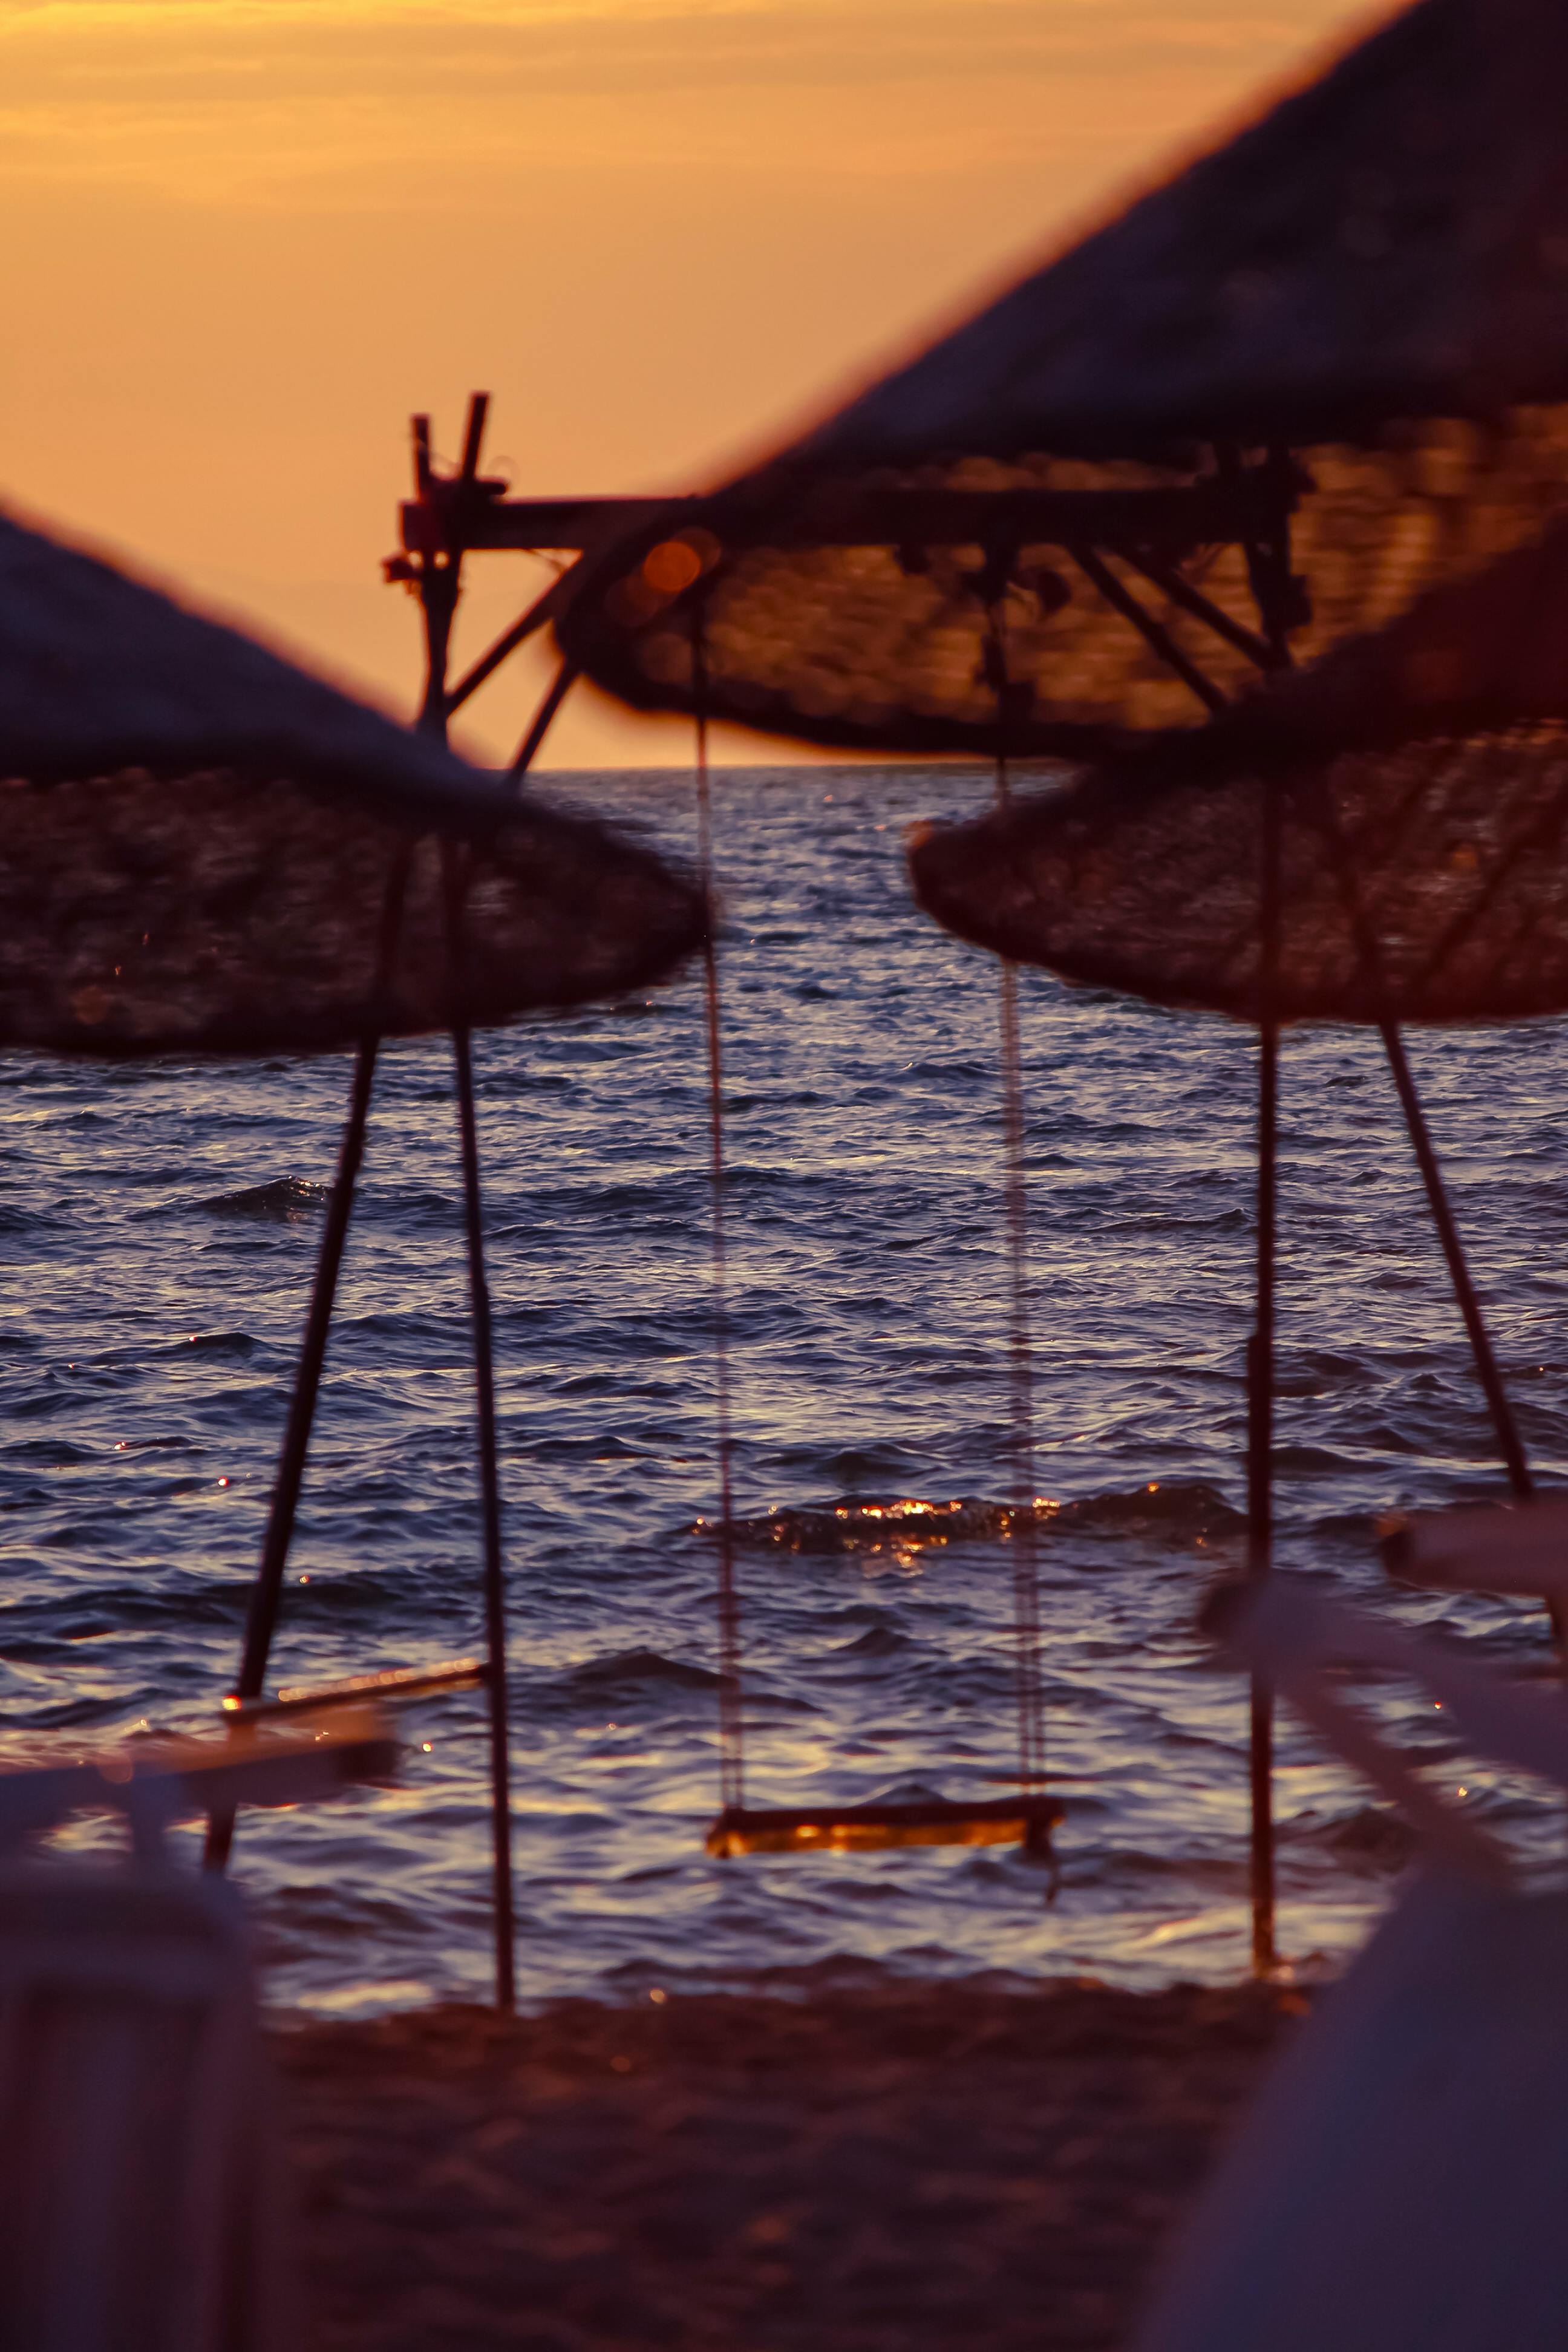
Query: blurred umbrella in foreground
[(199, 840), (1380, 840), (204, 850), (1320, 370)]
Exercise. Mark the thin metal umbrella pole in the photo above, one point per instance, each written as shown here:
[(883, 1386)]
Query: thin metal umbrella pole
[(438, 591), (489, 1505), (1269, 569), (560, 688), (1320, 807), (1498, 1403), (266, 1594), (543, 610)]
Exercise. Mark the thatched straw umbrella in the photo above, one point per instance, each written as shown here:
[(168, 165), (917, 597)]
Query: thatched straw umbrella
[(198, 838), (204, 850), (1417, 782), (1319, 370), (1276, 398), (1381, 840)]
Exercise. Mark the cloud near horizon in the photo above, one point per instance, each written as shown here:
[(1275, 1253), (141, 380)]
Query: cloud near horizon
[(226, 99)]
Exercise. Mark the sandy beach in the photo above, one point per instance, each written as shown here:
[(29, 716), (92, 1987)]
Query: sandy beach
[(921, 2165)]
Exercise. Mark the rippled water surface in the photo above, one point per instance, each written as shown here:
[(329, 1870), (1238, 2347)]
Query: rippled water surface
[(158, 1229)]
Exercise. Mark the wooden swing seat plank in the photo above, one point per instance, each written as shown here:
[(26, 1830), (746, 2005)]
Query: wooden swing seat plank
[(1026, 1820), (359, 1690)]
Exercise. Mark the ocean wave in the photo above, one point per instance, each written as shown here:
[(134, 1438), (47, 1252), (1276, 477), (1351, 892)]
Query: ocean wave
[(1370, 1838), (286, 1200), (626, 1668), (1176, 1510), (867, 1314)]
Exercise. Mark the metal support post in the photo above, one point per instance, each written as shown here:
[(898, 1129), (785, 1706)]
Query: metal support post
[(269, 1587), (489, 1505), (439, 585), (1370, 955), (560, 687), (1497, 1396)]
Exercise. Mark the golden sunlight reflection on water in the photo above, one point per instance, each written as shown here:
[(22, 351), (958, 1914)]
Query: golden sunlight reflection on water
[(150, 1327)]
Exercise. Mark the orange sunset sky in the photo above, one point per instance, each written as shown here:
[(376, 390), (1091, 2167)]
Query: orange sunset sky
[(243, 239)]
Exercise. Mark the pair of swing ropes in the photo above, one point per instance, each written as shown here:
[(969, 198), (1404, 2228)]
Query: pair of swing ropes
[(1021, 1520)]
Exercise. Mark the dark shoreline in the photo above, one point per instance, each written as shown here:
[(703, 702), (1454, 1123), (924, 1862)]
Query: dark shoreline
[(925, 2165)]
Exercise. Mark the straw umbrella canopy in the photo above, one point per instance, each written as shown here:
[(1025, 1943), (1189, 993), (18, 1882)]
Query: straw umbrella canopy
[(1416, 781), (1424, 885), (1317, 371), (197, 840), (1380, 840)]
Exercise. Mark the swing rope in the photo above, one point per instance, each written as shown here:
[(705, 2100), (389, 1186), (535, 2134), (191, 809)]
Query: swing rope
[(731, 1737), (1026, 1570), (1027, 1818)]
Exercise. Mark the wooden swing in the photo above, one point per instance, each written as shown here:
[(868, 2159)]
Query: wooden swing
[(1025, 1820), (1026, 1817)]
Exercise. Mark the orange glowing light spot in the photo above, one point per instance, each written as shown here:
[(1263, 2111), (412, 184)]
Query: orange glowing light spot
[(671, 566), (304, 1580), (658, 1996), (425, 1745), (1464, 1793)]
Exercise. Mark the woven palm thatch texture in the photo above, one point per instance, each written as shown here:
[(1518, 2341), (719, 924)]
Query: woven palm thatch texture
[(1373, 277), (1470, 658), (212, 916), (197, 843), (100, 673), (1422, 781), (1422, 885)]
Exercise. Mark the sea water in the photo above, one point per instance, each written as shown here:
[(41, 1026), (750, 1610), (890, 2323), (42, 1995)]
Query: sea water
[(159, 1225)]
